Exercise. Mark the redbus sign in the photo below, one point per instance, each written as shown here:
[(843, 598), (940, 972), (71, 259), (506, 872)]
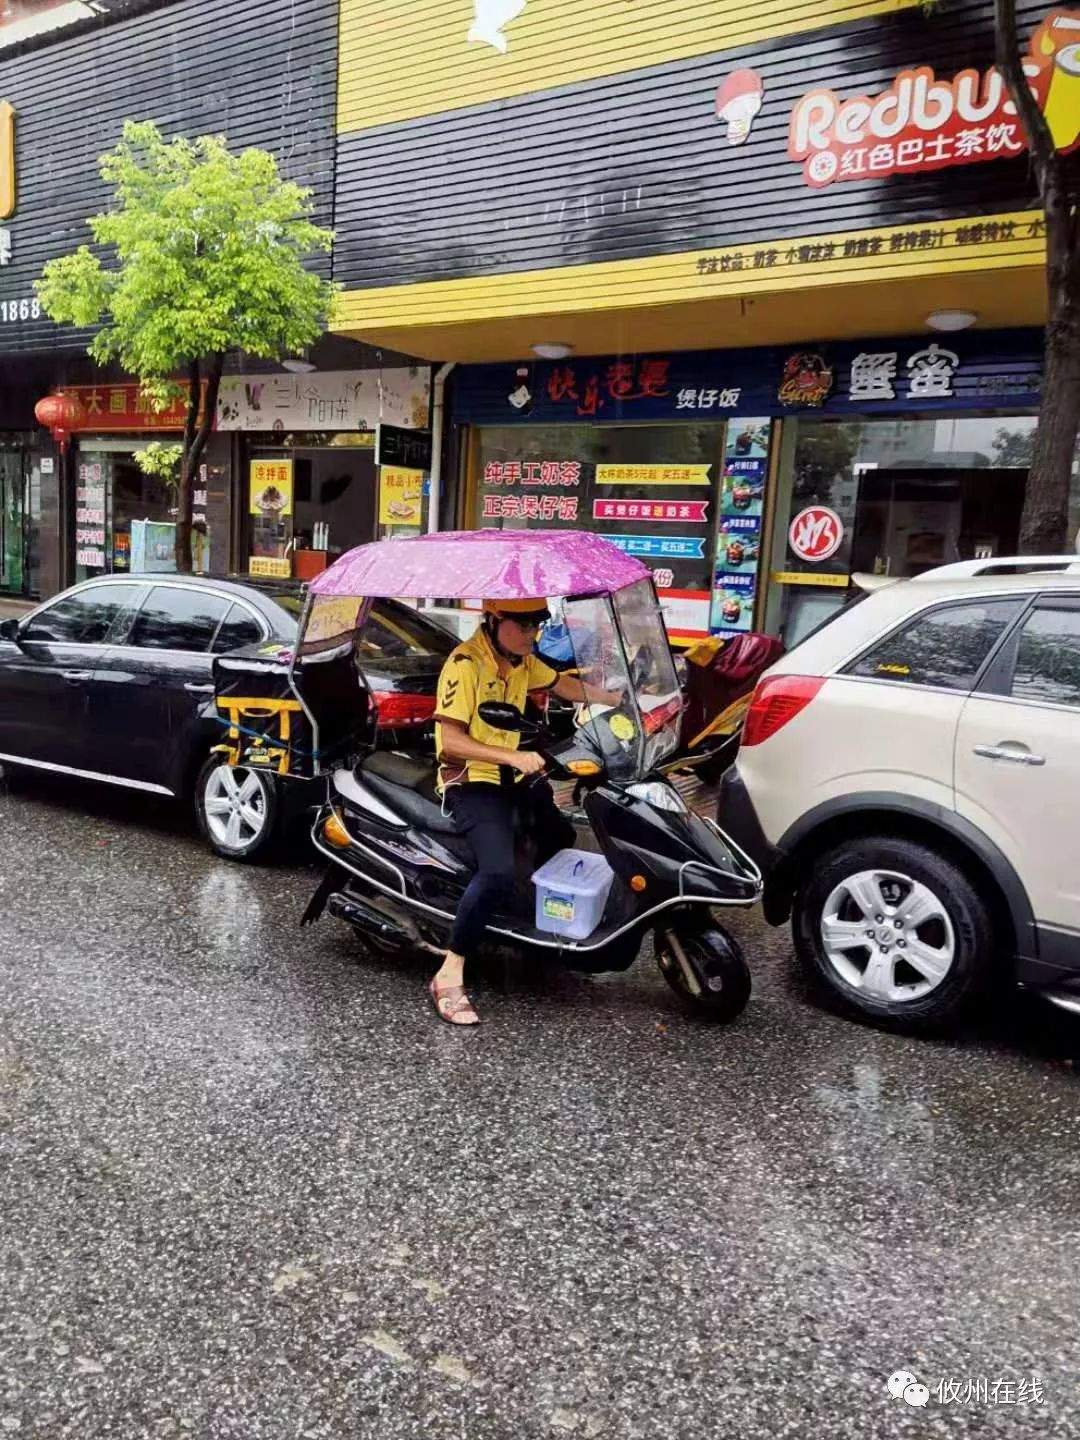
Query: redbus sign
[(816, 534), (925, 122)]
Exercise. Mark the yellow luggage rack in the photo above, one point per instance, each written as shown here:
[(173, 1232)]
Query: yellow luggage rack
[(267, 750)]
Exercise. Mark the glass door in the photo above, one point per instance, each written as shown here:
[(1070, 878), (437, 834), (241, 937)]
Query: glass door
[(12, 526)]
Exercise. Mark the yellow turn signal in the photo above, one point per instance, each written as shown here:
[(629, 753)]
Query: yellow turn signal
[(583, 767), (638, 883), (334, 833)]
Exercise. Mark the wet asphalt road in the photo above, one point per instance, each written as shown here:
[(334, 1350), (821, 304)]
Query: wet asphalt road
[(250, 1187)]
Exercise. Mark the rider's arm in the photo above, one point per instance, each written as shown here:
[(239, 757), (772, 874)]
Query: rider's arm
[(569, 687), (458, 744)]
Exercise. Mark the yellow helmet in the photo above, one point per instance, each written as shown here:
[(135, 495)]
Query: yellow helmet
[(518, 609)]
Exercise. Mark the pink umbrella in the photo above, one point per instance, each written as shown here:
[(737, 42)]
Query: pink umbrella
[(483, 564)]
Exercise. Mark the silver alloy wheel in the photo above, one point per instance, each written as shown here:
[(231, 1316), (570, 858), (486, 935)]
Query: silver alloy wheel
[(234, 802), (888, 936)]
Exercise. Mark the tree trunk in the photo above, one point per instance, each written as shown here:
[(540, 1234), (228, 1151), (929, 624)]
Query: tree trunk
[(187, 489), (197, 429), (1044, 525)]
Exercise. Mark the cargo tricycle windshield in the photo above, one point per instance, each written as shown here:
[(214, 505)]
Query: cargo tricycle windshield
[(621, 647)]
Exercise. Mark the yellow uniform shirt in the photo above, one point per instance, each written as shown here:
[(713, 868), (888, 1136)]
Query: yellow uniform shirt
[(472, 675)]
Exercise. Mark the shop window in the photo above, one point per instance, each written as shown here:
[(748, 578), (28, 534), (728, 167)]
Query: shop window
[(943, 648), (82, 619), (890, 497), (238, 628), (175, 618), (655, 491), (1048, 660)]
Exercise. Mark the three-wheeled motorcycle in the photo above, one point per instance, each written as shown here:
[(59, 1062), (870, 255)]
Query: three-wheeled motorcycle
[(396, 865)]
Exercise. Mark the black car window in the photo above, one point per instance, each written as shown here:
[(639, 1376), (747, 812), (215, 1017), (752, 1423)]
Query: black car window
[(82, 618), (397, 632), (1048, 657), (945, 647), (238, 628), (177, 618)]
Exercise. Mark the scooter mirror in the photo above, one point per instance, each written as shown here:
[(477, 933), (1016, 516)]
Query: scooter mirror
[(500, 716)]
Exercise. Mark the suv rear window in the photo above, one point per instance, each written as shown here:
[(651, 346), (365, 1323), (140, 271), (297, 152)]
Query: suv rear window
[(945, 647), (1048, 660)]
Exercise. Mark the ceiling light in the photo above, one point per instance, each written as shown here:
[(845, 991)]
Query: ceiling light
[(298, 367), (951, 319), (553, 349)]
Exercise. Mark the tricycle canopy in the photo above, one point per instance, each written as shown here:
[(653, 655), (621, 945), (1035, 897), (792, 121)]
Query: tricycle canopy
[(482, 564)]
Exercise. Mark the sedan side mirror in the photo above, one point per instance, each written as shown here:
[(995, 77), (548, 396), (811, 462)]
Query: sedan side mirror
[(500, 716), (9, 630)]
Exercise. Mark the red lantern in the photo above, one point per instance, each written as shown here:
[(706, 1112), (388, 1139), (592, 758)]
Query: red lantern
[(60, 414)]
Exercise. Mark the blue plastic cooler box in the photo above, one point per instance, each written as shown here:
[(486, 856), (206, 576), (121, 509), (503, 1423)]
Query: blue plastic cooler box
[(571, 892)]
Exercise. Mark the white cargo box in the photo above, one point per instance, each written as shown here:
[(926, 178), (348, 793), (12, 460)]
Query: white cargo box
[(571, 892)]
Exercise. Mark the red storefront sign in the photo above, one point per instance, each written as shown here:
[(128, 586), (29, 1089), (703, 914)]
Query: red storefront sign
[(816, 534), (923, 122), (122, 406), (691, 512)]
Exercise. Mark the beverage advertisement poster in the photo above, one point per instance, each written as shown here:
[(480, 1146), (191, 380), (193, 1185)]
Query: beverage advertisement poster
[(738, 535)]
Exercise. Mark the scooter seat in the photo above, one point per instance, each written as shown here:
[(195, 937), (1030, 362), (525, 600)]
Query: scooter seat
[(407, 785)]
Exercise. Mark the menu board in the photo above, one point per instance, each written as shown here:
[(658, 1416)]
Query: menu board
[(91, 518), (738, 537)]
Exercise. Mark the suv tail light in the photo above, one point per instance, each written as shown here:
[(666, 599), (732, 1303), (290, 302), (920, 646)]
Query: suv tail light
[(396, 708), (778, 699)]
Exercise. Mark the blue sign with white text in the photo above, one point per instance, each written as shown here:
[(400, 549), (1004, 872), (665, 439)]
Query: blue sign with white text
[(660, 547)]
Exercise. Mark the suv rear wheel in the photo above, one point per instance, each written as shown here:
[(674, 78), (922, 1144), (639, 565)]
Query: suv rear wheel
[(895, 929)]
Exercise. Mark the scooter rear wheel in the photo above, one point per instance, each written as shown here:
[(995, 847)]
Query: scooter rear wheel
[(707, 971)]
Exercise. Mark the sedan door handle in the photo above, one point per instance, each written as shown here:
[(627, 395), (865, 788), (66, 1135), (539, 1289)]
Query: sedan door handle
[(194, 689), (1019, 755), (76, 677)]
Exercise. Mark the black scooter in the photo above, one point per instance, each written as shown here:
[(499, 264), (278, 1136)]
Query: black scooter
[(397, 867)]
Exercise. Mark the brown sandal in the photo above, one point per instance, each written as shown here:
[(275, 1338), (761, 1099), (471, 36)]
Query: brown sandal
[(452, 1004)]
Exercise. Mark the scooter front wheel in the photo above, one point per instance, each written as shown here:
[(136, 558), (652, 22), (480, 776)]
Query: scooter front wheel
[(707, 971)]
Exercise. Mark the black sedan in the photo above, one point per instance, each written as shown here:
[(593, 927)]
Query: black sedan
[(112, 681)]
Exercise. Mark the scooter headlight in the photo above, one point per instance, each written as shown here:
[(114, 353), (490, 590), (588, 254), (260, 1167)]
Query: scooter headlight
[(659, 796)]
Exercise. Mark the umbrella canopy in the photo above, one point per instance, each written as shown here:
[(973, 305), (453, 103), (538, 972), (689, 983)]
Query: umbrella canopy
[(483, 564)]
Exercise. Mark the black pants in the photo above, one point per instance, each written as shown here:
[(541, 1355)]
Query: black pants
[(488, 816)]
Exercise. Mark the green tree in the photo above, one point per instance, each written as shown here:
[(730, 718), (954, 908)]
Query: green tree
[(201, 252)]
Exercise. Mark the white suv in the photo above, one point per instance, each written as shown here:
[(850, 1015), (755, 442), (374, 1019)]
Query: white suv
[(909, 780)]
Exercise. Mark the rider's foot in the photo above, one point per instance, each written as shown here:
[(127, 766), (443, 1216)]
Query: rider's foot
[(452, 1004)]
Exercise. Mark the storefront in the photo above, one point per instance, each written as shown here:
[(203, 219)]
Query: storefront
[(754, 483), (22, 466), (717, 220), (119, 517), (309, 485), (262, 72)]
